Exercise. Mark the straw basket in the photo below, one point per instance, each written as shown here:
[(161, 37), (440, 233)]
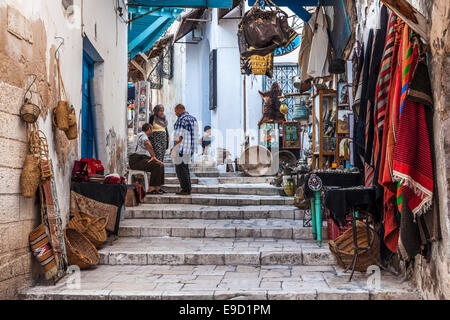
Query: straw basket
[(61, 115), (80, 251), (72, 132), (92, 228), (343, 248), (256, 161), (29, 112), (31, 176)]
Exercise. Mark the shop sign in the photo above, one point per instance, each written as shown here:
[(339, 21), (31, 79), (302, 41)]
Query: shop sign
[(291, 47)]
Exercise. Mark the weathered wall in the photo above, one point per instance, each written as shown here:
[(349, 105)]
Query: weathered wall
[(27, 45), (432, 279)]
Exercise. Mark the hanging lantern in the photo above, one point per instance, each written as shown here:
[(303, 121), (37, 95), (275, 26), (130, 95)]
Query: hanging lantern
[(301, 111)]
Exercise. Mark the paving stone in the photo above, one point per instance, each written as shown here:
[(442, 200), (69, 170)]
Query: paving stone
[(188, 295), (306, 294), (348, 294), (135, 295), (240, 295), (316, 256), (165, 258), (210, 258), (287, 258), (155, 232), (220, 233), (128, 258), (270, 285), (278, 233), (188, 232)]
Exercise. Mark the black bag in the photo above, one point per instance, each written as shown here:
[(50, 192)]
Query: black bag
[(337, 66), (261, 32)]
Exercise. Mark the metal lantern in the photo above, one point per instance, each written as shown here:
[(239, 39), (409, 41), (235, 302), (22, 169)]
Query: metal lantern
[(301, 111)]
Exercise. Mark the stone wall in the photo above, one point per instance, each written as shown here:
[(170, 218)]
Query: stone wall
[(433, 279), (27, 46)]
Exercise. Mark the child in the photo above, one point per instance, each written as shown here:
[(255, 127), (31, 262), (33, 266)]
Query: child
[(206, 140)]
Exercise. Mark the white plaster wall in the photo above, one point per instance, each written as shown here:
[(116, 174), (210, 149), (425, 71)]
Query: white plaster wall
[(51, 12)]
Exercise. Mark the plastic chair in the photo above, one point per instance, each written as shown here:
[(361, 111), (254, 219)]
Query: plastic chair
[(131, 173)]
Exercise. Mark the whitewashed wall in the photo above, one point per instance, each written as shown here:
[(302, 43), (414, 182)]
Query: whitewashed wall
[(42, 21)]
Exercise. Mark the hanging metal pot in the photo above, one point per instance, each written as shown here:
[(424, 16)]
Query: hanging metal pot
[(301, 111)]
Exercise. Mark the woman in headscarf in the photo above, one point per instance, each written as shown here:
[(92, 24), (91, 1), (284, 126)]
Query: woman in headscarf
[(160, 136)]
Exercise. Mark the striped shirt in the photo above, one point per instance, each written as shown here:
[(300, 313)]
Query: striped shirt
[(187, 127)]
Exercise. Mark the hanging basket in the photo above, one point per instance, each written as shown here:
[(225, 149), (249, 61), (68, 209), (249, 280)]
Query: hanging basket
[(80, 251), (31, 176), (343, 248), (92, 228), (29, 112), (61, 115)]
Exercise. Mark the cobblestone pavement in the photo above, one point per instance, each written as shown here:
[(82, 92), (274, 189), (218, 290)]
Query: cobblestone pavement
[(210, 282)]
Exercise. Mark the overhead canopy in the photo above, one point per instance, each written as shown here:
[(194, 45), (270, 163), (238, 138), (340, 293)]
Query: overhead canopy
[(145, 31), (223, 12), (187, 25), (225, 4)]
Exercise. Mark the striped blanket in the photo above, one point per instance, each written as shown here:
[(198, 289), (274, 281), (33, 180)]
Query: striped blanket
[(412, 156)]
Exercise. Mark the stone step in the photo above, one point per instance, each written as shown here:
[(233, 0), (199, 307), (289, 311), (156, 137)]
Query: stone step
[(199, 228), (219, 199), (218, 282), (171, 178), (233, 189), (194, 211), (174, 181), (219, 251)]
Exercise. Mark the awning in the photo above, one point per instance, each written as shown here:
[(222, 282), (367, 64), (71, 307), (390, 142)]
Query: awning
[(187, 25), (187, 3), (145, 31), (223, 12)]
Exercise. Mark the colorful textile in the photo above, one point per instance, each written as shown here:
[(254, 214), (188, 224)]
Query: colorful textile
[(412, 159), (383, 85), (187, 127)]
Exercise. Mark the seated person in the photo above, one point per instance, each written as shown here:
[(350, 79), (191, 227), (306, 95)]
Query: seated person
[(144, 159), (205, 140)]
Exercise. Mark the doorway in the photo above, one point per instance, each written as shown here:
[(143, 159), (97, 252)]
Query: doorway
[(88, 119)]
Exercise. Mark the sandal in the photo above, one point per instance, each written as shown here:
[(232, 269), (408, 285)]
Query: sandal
[(154, 192), (161, 191)]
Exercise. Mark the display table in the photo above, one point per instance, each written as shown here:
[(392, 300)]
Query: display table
[(325, 180), (99, 200), (340, 203)]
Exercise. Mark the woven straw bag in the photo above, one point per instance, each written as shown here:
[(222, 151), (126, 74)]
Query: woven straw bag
[(41, 248), (30, 177), (92, 228), (72, 132), (62, 111), (343, 248), (80, 251)]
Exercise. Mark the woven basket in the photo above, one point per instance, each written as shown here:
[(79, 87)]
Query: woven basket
[(29, 112), (61, 115), (92, 228), (343, 248), (80, 251), (31, 176), (72, 132)]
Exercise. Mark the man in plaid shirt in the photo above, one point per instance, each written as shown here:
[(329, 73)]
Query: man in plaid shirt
[(186, 144)]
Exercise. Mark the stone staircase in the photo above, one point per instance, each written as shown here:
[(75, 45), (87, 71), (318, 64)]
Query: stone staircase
[(235, 240)]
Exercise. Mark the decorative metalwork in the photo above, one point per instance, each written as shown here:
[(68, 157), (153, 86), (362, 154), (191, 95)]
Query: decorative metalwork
[(167, 64), (155, 78), (283, 74), (307, 219)]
